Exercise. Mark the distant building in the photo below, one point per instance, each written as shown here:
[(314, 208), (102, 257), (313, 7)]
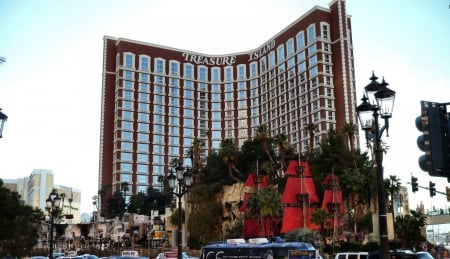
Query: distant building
[(157, 100), (36, 188)]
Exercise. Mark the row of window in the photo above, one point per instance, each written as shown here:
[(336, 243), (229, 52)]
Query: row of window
[(283, 51)]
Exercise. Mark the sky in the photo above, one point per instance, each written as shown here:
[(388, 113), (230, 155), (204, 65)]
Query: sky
[(50, 85)]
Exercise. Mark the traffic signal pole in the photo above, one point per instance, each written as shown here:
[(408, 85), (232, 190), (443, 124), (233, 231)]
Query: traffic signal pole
[(428, 188)]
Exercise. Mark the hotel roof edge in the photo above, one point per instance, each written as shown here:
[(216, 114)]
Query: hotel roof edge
[(118, 39)]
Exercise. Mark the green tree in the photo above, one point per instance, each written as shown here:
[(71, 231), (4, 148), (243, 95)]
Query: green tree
[(310, 129), (408, 227), (18, 224), (319, 217), (228, 152), (264, 204), (392, 186)]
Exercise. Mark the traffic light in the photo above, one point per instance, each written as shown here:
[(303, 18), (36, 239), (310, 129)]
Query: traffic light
[(414, 184), (432, 189), (447, 193), (434, 124)]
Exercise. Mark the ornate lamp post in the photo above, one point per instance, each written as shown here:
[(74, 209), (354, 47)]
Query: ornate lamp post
[(378, 101), (3, 119), (184, 179), (52, 205)]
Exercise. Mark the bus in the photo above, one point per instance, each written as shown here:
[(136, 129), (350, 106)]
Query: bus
[(259, 248)]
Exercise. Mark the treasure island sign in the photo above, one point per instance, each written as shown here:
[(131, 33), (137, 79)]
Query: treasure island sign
[(226, 60)]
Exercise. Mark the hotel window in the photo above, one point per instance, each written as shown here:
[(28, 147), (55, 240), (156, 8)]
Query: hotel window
[(215, 97), (315, 105), (290, 47), (271, 59), (314, 94), (125, 167), (142, 169), (174, 150), (144, 77), (216, 74), (142, 179), (202, 73), (301, 56), (311, 33), (188, 68), (174, 68), (215, 107), (188, 122), (174, 120), (302, 67), (157, 139), (128, 85), (188, 94), (242, 104), (143, 116), (159, 99), (313, 71), (253, 69), (144, 137), (327, 69), (159, 80), (302, 77), (159, 89), (144, 87), (188, 113), (158, 159), (228, 73), (316, 117), (216, 88), (228, 96), (327, 58), (125, 178), (174, 140), (174, 101), (129, 60), (312, 60), (126, 146), (125, 156), (188, 132), (174, 130), (157, 128), (174, 81), (188, 84), (144, 97), (325, 29), (142, 147), (300, 40), (202, 86), (216, 125), (174, 91), (330, 115), (291, 63), (188, 103), (329, 104), (263, 64), (313, 82), (158, 109), (312, 50), (144, 63), (126, 135), (280, 53), (329, 92), (127, 115), (174, 110), (241, 72), (129, 75), (143, 127), (159, 65), (158, 149), (158, 118), (242, 95), (142, 158), (326, 46), (128, 105)]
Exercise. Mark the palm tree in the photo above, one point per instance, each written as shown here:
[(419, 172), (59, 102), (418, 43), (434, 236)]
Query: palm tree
[(102, 192), (407, 228), (266, 205), (349, 130), (311, 128), (262, 135), (194, 153), (392, 186), (319, 217), (228, 152), (283, 144)]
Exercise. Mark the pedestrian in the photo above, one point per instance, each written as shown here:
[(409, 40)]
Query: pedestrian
[(444, 254)]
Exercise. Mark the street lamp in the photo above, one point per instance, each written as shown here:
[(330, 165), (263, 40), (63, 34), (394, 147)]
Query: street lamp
[(378, 100), (52, 205), (184, 178), (3, 118)]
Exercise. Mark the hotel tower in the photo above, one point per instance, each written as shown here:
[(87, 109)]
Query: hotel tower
[(157, 100)]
